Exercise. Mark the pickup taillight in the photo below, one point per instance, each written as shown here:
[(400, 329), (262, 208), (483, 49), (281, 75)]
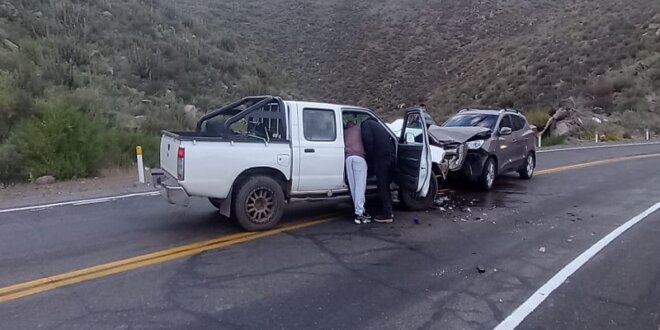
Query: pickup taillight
[(180, 163)]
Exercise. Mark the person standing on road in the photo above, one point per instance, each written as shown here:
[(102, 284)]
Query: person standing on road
[(380, 148), (356, 170)]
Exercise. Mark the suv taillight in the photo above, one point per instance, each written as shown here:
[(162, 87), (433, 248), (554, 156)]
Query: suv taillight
[(180, 163)]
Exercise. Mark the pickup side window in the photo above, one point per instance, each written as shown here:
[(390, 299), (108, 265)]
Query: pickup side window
[(319, 125)]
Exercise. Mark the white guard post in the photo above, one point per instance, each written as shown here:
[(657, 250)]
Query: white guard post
[(140, 164)]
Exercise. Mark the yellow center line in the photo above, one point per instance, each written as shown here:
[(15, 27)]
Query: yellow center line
[(85, 274), (594, 163), (51, 282)]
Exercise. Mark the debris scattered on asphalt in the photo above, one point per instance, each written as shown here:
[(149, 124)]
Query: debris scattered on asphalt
[(569, 240), (442, 209), (481, 269), (463, 220), (478, 219), (542, 249), (417, 221)]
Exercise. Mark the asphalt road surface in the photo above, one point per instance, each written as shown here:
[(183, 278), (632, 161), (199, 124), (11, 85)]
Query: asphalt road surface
[(139, 263)]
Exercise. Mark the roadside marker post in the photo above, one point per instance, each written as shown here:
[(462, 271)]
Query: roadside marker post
[(648, 134), (597, 137), (540, 144), (140, 164)]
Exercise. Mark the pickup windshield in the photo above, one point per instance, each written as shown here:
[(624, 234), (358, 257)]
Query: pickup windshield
[(472, 120)]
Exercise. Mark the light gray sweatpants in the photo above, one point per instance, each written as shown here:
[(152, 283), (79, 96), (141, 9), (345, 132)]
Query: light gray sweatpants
[(356, 171)]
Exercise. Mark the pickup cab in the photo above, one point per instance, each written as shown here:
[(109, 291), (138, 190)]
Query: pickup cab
[(252, 157)]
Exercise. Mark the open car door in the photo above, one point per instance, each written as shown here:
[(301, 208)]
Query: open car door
[(414, 162)]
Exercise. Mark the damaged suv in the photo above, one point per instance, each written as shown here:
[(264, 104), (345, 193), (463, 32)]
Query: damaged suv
[(497, 141)]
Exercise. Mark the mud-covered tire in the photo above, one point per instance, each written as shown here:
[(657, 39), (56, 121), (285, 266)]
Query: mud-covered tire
[(259, 203), (216, 202), (528, 171), (487, 178), (413, 202)]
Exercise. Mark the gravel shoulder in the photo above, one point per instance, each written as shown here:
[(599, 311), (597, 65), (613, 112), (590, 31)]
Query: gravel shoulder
[(108, 183)]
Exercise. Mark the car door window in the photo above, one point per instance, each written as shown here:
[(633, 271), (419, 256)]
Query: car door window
[(518, 123), (319, 125), (506, 122)]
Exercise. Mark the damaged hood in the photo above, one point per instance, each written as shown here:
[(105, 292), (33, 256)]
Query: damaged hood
[(458, 134)]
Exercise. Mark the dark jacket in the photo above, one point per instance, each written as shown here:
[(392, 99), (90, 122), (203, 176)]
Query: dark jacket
[(377, 141)]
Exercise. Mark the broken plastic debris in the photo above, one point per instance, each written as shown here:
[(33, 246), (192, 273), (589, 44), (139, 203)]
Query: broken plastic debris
[(481, 269), (542, 249), (416, 221)]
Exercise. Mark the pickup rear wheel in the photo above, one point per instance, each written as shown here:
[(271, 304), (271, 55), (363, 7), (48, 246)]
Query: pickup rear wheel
[(259, 203)]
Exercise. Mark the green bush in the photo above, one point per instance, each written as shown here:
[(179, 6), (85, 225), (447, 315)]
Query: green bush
[(119, 147), (10, 164), (552, 140), (537, 118), (63, 142)]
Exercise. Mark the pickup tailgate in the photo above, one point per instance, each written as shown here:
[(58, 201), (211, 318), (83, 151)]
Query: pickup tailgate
[(169, 146)]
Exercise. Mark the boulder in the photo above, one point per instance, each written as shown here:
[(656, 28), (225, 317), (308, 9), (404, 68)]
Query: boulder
[(7, 9), (38, 14), (106, 14), (45, 180), (654, 26), (562, 129), (10, 45), (189, 108)]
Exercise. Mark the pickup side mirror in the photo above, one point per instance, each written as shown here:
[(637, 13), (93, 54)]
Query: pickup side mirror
[(505, 131), (410, 138)]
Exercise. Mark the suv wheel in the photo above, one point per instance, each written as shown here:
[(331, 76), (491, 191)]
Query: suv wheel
[(259, 204), (487, 178), (528, 171)]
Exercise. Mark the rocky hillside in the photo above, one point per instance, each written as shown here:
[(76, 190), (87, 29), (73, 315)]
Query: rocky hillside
[(530, 54)]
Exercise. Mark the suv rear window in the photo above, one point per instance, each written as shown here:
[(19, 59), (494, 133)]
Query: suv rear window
[(472, 120)]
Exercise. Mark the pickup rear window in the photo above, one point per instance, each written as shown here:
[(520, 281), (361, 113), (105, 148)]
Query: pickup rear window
[(319, 125)]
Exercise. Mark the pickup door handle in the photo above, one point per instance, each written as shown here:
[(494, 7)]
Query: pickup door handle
[(309, 150)]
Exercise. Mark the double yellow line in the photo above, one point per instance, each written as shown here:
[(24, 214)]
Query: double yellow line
[(48, 283)]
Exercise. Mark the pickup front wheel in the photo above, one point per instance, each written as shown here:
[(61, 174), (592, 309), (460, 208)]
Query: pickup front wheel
[(259, 203)]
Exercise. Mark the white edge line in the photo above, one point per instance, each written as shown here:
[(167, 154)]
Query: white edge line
[(79, 202), (543, 292), (598, 147)]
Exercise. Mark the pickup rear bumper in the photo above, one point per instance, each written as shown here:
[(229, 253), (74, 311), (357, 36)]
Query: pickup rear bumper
[(169, 188)]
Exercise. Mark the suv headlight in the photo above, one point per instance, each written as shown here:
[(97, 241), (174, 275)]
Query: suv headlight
[(476, 144)]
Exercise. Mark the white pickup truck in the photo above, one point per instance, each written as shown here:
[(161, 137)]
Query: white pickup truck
[(252, 157)]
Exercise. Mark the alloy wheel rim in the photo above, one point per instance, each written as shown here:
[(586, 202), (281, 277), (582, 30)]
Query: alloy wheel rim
[(260, 205), (490, 176), (530, 165)]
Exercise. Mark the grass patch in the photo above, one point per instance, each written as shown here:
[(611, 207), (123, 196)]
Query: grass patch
[(552, 140)]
